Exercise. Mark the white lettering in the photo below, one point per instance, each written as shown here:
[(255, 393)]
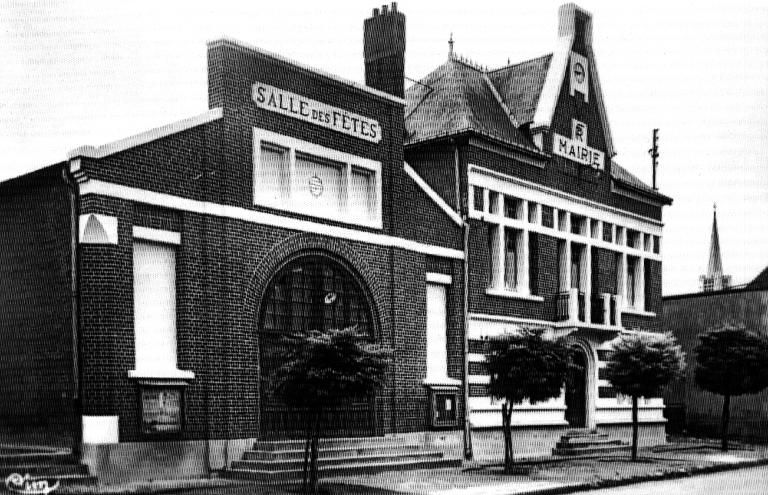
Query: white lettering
[(298, 107), (577, 151)]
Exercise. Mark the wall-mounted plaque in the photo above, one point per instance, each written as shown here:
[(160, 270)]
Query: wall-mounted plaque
[(161, 409)]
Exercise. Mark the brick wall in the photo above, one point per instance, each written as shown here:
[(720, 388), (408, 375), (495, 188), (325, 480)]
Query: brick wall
[(36, 356)]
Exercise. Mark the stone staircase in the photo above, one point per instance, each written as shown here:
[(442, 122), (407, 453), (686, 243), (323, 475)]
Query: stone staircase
[(283, 460), (587, 442), (37, 465)]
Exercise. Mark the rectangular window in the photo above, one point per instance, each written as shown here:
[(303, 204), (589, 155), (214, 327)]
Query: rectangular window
[(275, 164), (632, 281), (305, 178), (512, 207), (578, 224), (477, 196), (154, 306), (656, 244), (493, 202), (493, 255), (576, 260), (594, 228), (511, 259), (533, 216), (547, 216), (647, 284), (607, 232), (562, 220)]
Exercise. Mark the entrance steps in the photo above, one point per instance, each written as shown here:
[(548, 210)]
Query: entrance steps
[(585, 442), (61, 466), (284, 460)]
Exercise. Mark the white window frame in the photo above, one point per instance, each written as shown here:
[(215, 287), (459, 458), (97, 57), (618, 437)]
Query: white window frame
[(170, 240), (349, 161)]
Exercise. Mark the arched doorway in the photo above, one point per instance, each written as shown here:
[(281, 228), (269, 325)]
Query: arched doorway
[(576, 390), (311, 292)]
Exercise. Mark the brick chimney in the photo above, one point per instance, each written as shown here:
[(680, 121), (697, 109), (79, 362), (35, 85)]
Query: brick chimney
[(384, 49)]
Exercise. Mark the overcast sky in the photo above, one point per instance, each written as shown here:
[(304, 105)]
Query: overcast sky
[(86, 72)]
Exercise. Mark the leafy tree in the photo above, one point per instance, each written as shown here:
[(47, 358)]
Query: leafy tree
[(320, 370), (641, 365), (524, 365), (731, 361)]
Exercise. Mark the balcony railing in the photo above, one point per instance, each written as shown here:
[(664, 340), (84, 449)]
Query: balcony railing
[(603, 310)]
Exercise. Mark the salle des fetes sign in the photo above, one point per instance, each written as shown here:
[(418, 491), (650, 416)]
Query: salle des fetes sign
[(299, 107)]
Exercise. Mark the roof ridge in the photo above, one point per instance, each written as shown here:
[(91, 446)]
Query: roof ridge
[(500, 101), (510, 66)]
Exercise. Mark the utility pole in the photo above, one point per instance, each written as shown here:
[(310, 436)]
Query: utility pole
[(654, 152)]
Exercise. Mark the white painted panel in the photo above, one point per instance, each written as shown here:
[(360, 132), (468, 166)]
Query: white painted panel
[(154, 306), (437, 327), (101, 429)]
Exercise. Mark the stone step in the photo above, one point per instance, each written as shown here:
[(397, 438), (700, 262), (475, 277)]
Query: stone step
[(566, 442), (354, 442), (38, 469), (576, 451), (297, 464), (333, 451), (288, 475), (38, 458)]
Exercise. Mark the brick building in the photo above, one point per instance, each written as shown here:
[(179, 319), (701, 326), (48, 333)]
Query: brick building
[(560, 236), (153, 276)]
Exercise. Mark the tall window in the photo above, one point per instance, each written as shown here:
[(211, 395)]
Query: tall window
[(305, 178), (576, 256), (631, 281), (154, 306), (511, 241)]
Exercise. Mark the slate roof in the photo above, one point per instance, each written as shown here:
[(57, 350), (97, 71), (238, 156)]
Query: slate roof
[(458, 97), (761, 281)]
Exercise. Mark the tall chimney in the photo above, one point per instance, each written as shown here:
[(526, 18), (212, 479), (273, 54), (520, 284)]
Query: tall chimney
[(384, 50)]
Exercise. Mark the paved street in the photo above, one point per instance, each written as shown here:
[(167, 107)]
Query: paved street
[(752, 481)]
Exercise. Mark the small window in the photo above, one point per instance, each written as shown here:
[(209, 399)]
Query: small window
[(619, 235), (632, 281), (607, 232), (477, 196), (578, 224), (562, 220), (512, 207), (493, 202), (656, 244), (547, 216), (533, 212), (594, 228), (493, 255), (274, 173)]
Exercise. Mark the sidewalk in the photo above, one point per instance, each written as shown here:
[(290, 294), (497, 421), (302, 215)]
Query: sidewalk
[(683, 457)]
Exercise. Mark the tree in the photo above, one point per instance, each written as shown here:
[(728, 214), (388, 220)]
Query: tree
[(524, 365), (322, 369), (641, 365), (731, 361)]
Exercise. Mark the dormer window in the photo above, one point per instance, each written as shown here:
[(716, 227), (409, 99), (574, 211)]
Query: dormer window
[(301, 177)]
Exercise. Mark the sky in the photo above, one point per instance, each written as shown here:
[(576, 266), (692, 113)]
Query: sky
[(85, 72)]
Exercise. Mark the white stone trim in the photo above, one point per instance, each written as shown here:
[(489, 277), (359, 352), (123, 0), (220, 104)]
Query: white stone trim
[(169, 374), (101, 429), (107, 223), (438, 278), (258, 217), (522, 189), (512, 295), (432, 194), (637, 312), (550, 92), (441, 382), (356, 85), (144, 137), (157, 235)]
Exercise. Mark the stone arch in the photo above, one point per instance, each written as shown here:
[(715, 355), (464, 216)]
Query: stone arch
[(590, 386), (298, 245)]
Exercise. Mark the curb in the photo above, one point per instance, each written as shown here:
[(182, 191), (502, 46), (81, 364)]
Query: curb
[(578, 487)]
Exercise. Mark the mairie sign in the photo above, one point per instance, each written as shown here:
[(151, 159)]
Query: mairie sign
[(576, 148), (299, 107)]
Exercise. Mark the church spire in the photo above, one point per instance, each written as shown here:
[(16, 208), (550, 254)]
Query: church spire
[(714, 279)]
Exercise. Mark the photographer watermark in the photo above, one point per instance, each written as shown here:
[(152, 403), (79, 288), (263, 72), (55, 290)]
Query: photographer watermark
[(28, 485)]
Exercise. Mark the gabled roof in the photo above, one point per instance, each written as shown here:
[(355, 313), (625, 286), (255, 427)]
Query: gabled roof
[(456, 98), (621, 174)]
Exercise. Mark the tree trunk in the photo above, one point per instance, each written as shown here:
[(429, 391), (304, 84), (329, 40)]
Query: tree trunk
[(724, 424), (634, 428), (506, 424), (313, 460)]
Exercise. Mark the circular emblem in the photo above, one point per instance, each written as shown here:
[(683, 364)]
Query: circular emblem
[(316, 186), (330, 298), (579, 72)]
